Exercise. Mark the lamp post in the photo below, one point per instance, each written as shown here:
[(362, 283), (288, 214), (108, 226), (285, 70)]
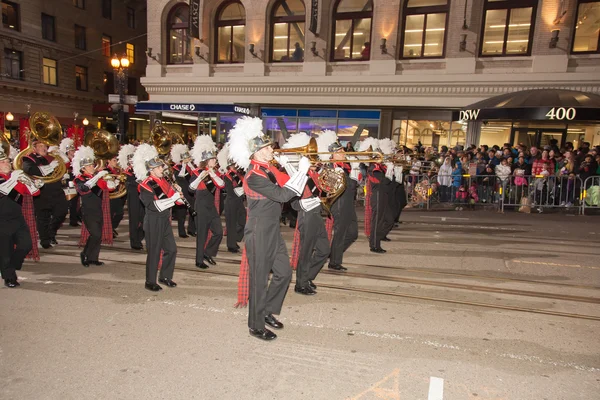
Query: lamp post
[(85, 123), (9, 117), (120, 66)]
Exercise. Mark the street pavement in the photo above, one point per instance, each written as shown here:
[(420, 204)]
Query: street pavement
[(464, 305)]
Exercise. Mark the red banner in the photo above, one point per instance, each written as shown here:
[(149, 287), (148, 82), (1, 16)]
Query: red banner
[(23, 133), (1, 122), (75, 132)]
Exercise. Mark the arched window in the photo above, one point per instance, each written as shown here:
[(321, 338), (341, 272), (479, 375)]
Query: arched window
[(231, 33), (352, 30), (424, 32), (287, 31), (507, 27), (178, 43)]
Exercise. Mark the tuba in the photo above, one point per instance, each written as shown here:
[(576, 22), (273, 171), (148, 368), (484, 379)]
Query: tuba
[(106, 146), (46, 129), (161, 139)]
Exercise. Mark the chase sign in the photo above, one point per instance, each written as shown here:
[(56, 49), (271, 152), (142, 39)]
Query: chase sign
[(182, 107)]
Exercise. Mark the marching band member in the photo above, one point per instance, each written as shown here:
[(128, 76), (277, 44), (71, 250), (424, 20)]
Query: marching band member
[(67, 151), (184, 171), (116, 205), (51, 206), (95, 206), (206, 182), (235, 211), (343, 210), (15, 239), (266, 189), (394, 205), (311, 244), (158, 196), (135, 208)]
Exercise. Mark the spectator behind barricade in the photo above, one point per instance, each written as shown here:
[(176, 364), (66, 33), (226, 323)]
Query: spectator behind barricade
[(456, 177), (506, 152), (503, 170), (598, 164), (464, 163), (445, 180), (460, 198), (587, 168), (480, 161), (534, 155), (349, 147), (542, 188), (522, 164), (567, 164), (544, 163), (492, 159), (473, 196)]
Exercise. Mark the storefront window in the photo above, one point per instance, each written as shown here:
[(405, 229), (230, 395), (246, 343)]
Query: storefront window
[(587, 27), (508, 27)]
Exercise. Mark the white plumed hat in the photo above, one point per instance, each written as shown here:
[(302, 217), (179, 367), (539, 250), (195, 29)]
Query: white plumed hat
[(387, 146), (83, 156), (369, 142), (245, 139), (204, 149), (223, 158), (67, 145), (177, 150), (327, 141), (125, 154), (143, 155)]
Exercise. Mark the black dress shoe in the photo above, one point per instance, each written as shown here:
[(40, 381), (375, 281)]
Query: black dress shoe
[(386, 239), (312, 285), (377, 250), (184, 236), (202, 265), (152, 287), (53, 241), (137, 247), (272, 322), (192, 234), (46, 246), (167, 282), (337, 267), (115, 233), (11, 283), (84, 260), (229, 249), (237, 246), (307, 290), (98, 263), (210, 260), (263, 334)]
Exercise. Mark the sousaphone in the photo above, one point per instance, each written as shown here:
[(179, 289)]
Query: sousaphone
[(106, 147)]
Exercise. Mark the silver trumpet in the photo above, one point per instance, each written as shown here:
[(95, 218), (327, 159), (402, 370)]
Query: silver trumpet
[(37, 183)]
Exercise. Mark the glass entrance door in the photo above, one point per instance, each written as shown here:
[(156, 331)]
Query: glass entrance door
[(538, 137)]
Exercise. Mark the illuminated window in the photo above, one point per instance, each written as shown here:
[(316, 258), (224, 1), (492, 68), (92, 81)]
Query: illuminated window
[(10, 15), (508, 27), (424, 32), (81, 78), (178, 42), (231, 33), (106, 45), (130, 53), (352, 29), (49, 71), (287, 31), (587, 27)]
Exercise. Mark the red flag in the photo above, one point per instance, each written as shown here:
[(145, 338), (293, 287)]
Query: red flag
[(23, 133)]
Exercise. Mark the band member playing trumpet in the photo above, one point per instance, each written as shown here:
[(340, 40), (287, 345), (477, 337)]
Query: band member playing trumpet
[(67, 148), (116, 205), (135, 208), (158, 197), (15, 239), (51, 206), (206, 182), (235, 211), (95, 208), (184, 173)]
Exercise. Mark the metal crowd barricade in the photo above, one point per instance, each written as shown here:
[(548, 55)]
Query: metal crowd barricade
[(537, 192), (418, 190), (465, 191), (590, 194)]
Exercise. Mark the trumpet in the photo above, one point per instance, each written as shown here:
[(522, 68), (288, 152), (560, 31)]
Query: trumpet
[(26, 180), (168, 174)]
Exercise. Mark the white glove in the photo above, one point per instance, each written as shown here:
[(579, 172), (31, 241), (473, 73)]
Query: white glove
[(398, 174), (290, 169), (216, 178), (389, 173), (354, 173), (111, 185), (46, 169), (53, 164), (339, 169), (239, 191), (164, 204), (297, 182), (183, 171), (176, 196), (196, 182), (16, 174), (66, 176), (310, 203), (71, 184), (283, 160), (93, 181), (303, 165), (6, 187)]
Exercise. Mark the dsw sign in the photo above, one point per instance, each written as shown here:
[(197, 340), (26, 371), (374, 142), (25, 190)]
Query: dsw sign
[(469, 115)]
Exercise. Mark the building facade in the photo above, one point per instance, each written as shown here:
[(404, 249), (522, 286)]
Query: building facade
[(386, 68), (56, 57)]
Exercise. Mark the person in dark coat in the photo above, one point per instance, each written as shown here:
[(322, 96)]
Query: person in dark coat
[(117, 206), (184, 173), (135, 208), (235, 211), (379, 178)]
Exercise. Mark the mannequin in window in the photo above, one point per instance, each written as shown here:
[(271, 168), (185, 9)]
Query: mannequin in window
[(298, 54), (365, 54)]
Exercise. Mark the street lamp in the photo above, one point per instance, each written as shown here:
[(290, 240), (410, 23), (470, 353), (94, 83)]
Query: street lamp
[(120, 66), (8, 117)]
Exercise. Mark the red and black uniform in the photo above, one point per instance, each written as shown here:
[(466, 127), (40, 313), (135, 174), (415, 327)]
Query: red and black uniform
[(207, 218), (51, 205), (93, 210), (157, 228), (345, 223), (117, 206), (74, 206), (378, 191), (135, 209), (235, 211), (181, 212), (15, 238)]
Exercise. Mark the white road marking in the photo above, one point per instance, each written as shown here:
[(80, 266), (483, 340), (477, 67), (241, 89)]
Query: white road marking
[(443, 218), (553, 264), (436, 389)]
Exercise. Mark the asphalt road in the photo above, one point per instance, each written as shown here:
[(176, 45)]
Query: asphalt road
[(464, 305)]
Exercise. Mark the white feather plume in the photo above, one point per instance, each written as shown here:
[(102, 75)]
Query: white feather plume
[(80, 154), (223, 158), (66, 142), (369, 141), (244, 130), (176, 151), (13, 153), (201, 144), (143, 153), (125, 151), (299, 139), (387, 146), (324, 139)]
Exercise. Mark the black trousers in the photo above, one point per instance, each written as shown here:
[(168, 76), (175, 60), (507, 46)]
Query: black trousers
[(235, 221), (266, 252), (381, 222), (314, 246), (74, 210), (117, 211), (15, 244), (207, 220), (136, 218), (50, 213), (345, 232), (159, 237), (181, 213), (93, 223)]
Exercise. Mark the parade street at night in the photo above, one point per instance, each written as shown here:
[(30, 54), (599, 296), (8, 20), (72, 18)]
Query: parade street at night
[(464, 305)]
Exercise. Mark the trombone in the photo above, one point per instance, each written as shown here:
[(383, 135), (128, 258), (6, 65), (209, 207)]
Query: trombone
[(311, 151)]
